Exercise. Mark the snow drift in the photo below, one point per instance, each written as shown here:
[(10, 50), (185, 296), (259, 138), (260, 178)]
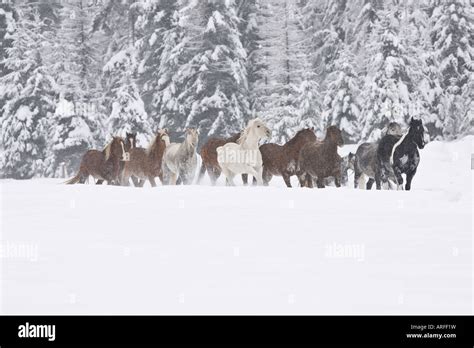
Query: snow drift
[(268, 250)]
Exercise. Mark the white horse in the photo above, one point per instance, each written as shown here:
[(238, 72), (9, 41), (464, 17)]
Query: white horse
[(244, 157), (180, 160)]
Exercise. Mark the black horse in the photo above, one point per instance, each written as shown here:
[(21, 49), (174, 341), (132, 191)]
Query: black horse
[(400, 155)]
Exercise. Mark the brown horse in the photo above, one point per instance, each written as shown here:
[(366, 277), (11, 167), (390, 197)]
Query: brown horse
[(321, 160), (209, 157), (102, 165), (146, 163), (281, 160)]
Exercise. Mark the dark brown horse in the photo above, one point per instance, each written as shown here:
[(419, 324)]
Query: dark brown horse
[(146, 163), (209, 157), (281, 160), (319, 160), (102, 165)]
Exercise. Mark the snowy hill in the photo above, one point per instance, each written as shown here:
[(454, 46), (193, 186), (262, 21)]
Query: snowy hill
[(267, 250)]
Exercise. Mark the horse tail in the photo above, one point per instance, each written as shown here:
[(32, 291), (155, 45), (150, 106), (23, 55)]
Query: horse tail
[(75, 179)]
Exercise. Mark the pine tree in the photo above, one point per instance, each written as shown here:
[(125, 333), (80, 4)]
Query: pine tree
[(29, 93), (161, 49), (127, 110), (451, 36), (8, 18), (341, 103), (69, 137), (288, 79), (215, 79), (73, 61), (251, 17), (391, 80)]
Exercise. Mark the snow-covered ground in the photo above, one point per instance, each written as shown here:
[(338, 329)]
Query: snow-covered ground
[(267, 250)]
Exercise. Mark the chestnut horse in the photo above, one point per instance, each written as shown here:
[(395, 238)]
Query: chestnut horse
[(102, 165), (146, 163), (209, 157), (319, 160), (281, 160)]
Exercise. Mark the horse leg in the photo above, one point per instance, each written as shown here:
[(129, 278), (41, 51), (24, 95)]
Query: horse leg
[(257, 174), (152, 181), (358, 177), (245, 179), (308, 181), (214, 173), (398, 176), (302, 179), (202, 171), (410, 176), (99, 182), (229, 177), (173, 178), (370, 182), (160, 176), (378, 180), (337, 181), (320, 183), (135, 181), (286, 178)]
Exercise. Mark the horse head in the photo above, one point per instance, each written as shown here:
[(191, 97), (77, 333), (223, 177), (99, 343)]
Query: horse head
[(334, 135), (116, 150), (349, 161), (417, 132), (257, 128), (394, 128), (130, 141), (163, 134), (192, 136)]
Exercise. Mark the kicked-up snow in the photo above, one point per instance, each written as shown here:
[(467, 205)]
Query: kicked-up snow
[(242, 250)]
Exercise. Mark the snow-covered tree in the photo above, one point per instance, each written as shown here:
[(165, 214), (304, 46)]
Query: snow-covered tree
[(289, 91), (69, 137), (29, 93), (215, 78), (391, 78), (127, 110), (341, 102), (161, 52), (451, 35)]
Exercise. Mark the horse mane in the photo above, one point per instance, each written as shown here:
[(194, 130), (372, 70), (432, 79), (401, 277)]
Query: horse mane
[(107, 149), (397, 144), (295, 137), (152, 146), (243, 135)]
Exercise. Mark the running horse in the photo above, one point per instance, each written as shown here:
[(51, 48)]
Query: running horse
[(102, 165)]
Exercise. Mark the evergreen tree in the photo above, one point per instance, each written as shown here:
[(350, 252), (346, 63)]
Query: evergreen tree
[(215, 79), (391, 80), (127, 110), (29, 94), (69, 137), (161, 49), (451, 35), (341, 104)]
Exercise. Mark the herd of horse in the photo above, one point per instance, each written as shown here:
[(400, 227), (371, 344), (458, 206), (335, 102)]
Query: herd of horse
[(315, 162)]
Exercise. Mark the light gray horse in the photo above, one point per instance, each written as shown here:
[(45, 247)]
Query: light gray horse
[(365, 161), (180, 160)]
